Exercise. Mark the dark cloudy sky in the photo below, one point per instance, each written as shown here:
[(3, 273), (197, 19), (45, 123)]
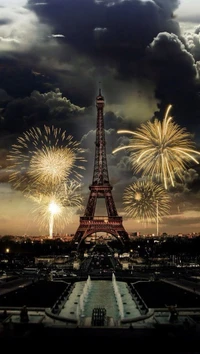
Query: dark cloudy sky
[(53, 53)]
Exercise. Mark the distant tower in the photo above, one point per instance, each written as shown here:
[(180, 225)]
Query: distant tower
[(100, 188)]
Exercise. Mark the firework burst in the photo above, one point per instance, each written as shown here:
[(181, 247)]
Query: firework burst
[(55, 208), (43, 163), (161, 150), (146, 201), (45, 156)]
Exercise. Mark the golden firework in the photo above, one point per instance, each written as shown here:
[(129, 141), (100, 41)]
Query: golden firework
[(44, 156), (161, 150), (55, 208), (146, 201), (45, 167)]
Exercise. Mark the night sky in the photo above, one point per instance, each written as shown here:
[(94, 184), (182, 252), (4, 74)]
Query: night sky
[(54, 53)]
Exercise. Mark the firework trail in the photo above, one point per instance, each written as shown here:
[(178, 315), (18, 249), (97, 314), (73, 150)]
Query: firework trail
[(54, 209), (161, 150), (146, 201), (45, 156)]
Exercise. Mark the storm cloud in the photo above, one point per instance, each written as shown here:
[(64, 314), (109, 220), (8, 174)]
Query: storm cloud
[(144, 54)]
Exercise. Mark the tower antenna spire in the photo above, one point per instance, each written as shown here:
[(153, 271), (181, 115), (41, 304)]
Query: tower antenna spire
[(99, 88)]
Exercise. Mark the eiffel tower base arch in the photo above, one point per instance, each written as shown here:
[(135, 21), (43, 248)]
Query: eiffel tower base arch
[(89, 226)]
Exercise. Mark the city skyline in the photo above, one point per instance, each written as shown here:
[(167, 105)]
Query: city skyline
[(146, 55)]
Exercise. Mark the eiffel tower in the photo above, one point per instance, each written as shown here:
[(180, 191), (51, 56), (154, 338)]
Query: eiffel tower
[(100, 188)]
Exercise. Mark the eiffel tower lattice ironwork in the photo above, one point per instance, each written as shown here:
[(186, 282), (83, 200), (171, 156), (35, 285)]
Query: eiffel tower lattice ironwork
[(100, 188)]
